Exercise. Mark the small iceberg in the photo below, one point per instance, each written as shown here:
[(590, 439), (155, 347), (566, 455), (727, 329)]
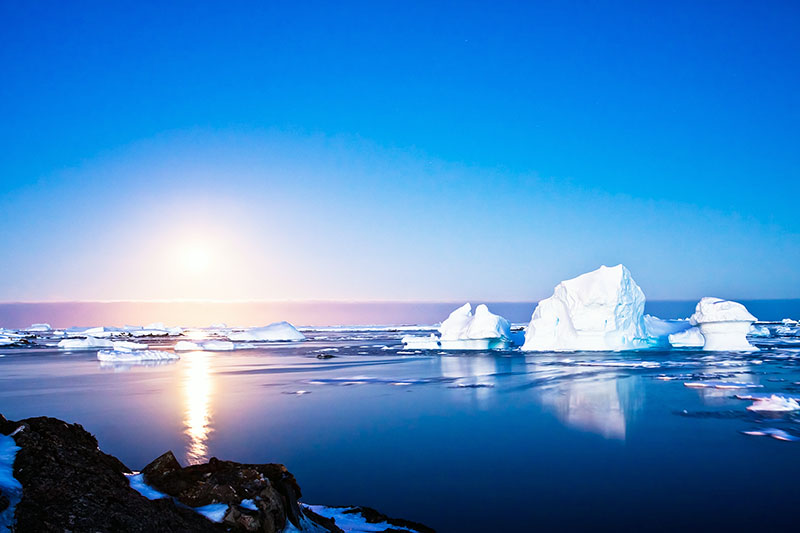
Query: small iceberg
[(602, 310), (128, 356), (88, 343), (463, 330), (723, 324), (774, 404), (277, 331), (39, 328)]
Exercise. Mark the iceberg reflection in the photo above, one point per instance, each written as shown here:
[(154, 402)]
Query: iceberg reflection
[(601, 404), (197, 389)]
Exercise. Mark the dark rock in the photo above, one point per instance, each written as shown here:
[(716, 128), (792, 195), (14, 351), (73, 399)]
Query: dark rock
[(325, 356), (70, 485), (271, 486)]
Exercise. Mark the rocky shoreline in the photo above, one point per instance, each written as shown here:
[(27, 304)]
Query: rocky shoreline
[(69, 484)]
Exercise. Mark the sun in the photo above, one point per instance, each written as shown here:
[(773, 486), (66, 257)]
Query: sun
[(195, 258)]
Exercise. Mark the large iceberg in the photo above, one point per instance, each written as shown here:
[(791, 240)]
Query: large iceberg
[(600, 310), (277, 331), (724, 325), (464, 330)]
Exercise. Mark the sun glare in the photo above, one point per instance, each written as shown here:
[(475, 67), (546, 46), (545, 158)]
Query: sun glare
[(195, 258)]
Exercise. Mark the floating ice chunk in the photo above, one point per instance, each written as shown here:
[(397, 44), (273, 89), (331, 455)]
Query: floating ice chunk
[(277, 331), (463, 330), (211, 346), (789, 322), (775, 404), (220, 325), (10, 487), (125, 356), (137, 483), (187, 346), (100, 331), (690, 338), (724, 325), (599, 310), (421, 343), (759, 331), (720, 385), (88, 343), (775, 433), (39, 328), (128, 345)]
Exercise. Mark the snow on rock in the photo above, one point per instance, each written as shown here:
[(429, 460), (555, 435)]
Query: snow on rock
[(774, 404), (277, 331), (691, 338), (128, 356), (10, 487), (599, 310), (724, 325)]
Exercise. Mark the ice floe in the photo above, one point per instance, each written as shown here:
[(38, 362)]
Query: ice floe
[(128, 356), (774, 404), (10, 487), (710, 384), (92, 343), (277, 331), (211, 346), (463, 330), (775, 433), (724, 325), (600, 310)]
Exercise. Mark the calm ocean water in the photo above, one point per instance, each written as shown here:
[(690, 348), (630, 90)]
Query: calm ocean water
[(502, 441)]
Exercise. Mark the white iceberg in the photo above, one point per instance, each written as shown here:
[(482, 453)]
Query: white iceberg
[(774, 404), (759, 331), (100, 332), (464, 330), (88, 343), (128, 356), (600, 310), (128, 345), (39, 328), (277, 331), (724, 325), (690, 338)]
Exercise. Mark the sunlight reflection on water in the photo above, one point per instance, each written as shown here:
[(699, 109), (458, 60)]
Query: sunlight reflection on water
[(198, 390)]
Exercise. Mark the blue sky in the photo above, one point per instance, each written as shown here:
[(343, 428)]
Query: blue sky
[(384, 150)]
